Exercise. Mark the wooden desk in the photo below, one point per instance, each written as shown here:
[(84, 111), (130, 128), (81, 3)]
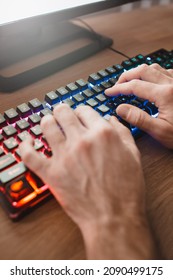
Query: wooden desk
[(48, 233)]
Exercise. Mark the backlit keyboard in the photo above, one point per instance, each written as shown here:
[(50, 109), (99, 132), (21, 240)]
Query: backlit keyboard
[(20, 189)]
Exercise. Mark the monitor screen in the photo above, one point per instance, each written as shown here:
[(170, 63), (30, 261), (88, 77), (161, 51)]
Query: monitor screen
[(44, 11)]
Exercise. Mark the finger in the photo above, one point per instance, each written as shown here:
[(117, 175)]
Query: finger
[(52, 133), (170, 71), (32, 159), (123, 131), (153, 73), (89, 117), (139, 88), (137, 117), (67, 120)]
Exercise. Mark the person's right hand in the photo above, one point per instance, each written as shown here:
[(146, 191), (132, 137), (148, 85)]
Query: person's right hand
[(156, 85)]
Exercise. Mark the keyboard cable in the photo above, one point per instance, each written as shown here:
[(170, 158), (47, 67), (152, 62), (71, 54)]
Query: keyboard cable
[(98, 37)]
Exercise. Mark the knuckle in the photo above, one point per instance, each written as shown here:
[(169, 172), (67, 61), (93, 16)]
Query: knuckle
[(105, 133), (143, 67), (155, 66)]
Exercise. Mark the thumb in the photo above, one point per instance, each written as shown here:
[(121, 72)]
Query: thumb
[(138, 118)]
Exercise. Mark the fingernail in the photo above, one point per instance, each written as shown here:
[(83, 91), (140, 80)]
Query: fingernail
[(123, 112)]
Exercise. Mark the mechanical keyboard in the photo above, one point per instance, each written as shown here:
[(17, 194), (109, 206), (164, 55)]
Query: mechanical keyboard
[(20, 189)]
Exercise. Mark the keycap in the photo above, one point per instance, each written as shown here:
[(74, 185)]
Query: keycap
[(36, 130), (72, 87), (22, 125), (6, 161), (24, 110), (87, 93), (38, 145), (92, 102), (23, 135), (45, 112), (97, 89), (52, 98), (1, 138), (62, 92), (1, 152), (119, 68), (12, 172), (103, 74), (10, 144), (78, 97), (94, 78), (11, 115), (2, 121), (101, 98), (9, 131), (105, 85), (35, 105), (34, 119), (103, 109), (127, 64), (111, 70), (82, 84), (18, 189)]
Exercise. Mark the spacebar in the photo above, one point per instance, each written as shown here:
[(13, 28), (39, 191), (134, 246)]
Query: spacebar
[(12, 172)]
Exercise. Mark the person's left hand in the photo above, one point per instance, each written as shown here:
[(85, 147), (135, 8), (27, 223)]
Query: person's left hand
[(95, 173)]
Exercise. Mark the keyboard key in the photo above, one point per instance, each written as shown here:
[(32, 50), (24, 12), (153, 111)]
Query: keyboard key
[(127, 64), (97, 89), (111, 70), (62, 92), (11, 115), (94, 79), (72, 87), (36, 130), (1, 138), (103, 74), (23, 110), (87, 93), (12, 172), (45, 112), (6, 161), (103, 109), (23, 135), (2, 121), (18, 189), (119, 68), (22, 125), (1, 152), (101, 98), (10, 144), (9, 131), (34, 119), (38, 145), (92, 102), (82, 84), (105, 85), (35, 105), (52, 98), (78, 98)]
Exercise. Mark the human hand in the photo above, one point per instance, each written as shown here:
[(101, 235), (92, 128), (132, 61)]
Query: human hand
[(95, 173), (156, 85)]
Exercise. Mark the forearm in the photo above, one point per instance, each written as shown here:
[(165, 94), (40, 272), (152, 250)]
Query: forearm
[(119, 240)]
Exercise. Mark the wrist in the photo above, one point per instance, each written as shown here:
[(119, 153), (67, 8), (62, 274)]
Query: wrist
[(121, 238)]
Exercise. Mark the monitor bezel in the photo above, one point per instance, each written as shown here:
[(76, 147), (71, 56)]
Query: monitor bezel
[(41, 20)]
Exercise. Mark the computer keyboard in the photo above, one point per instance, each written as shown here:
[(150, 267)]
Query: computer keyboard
[(20, 189)]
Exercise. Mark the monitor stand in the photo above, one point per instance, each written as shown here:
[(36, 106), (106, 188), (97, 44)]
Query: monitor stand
[(18, 50)]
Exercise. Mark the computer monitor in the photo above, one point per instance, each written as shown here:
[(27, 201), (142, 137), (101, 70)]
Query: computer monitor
[(23, 27)]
